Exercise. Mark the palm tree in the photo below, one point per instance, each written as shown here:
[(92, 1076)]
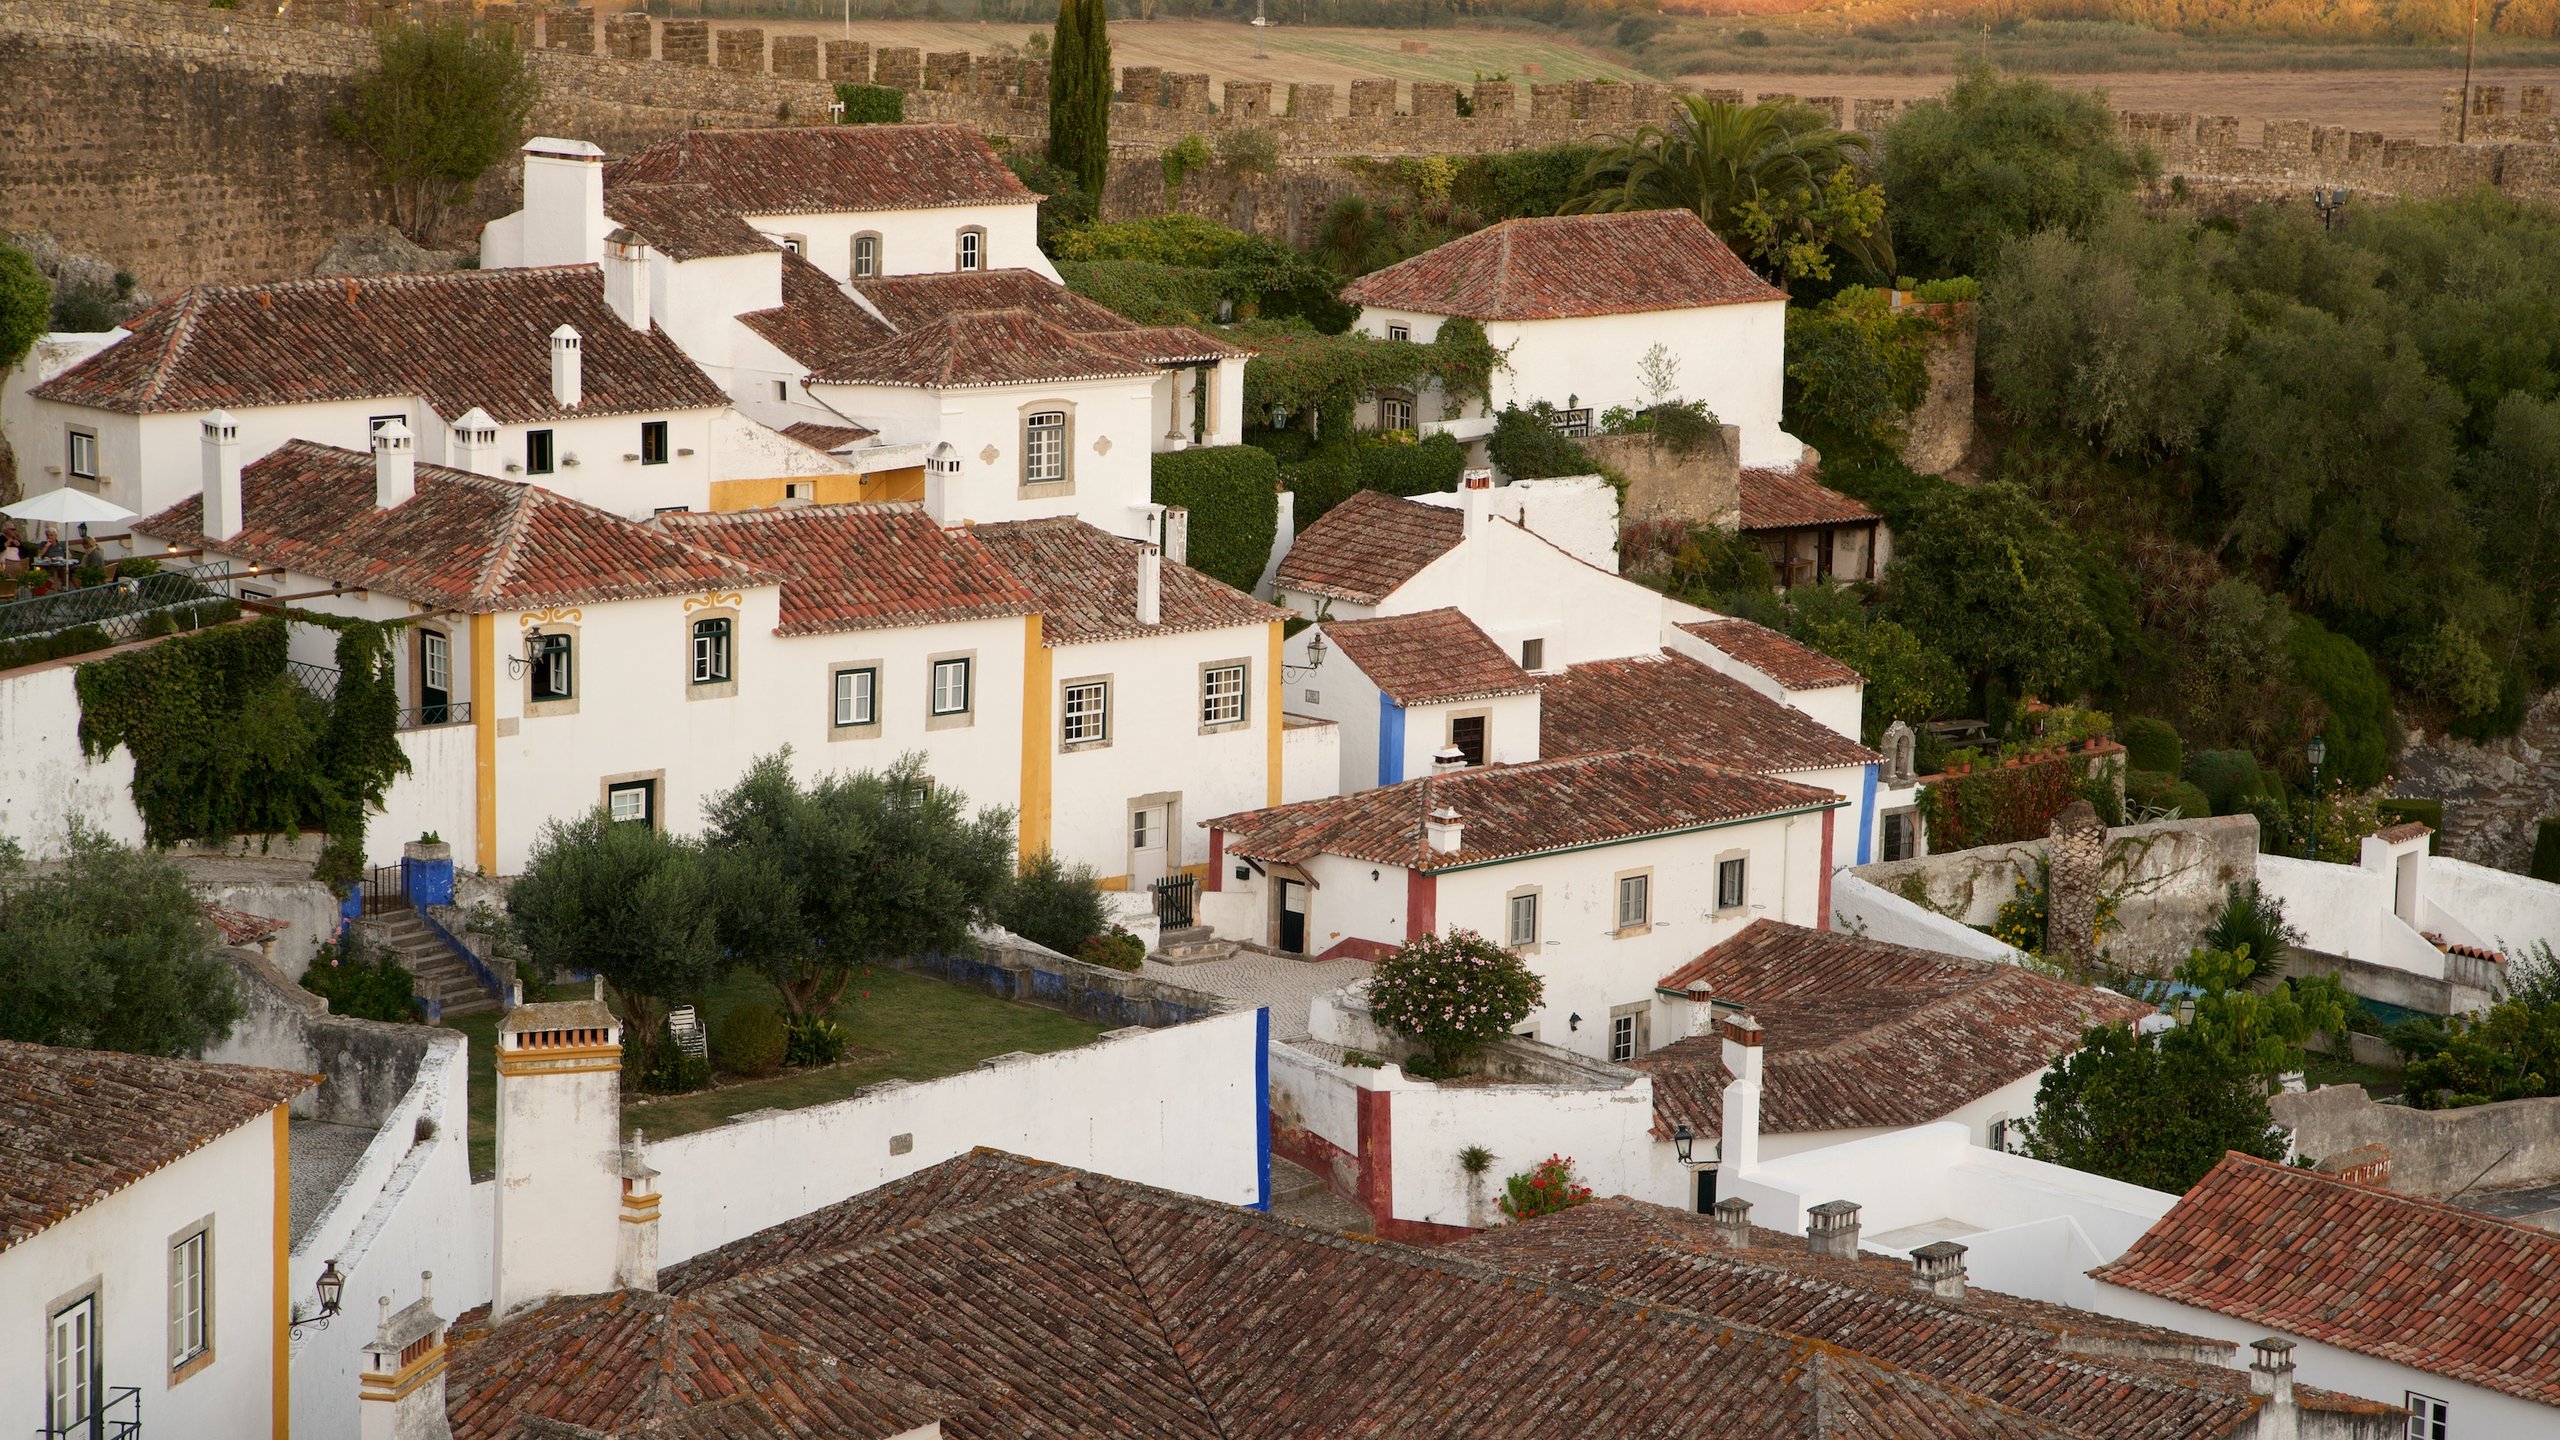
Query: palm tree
[(1762, 177)]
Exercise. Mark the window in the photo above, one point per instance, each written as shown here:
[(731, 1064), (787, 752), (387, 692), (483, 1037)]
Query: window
[(537, 452), (435, 661), (866, 256), (796, 244), (84, 455), (950, 687), (973, 249), (1635, 901), (1575, 423), (1044, 447), (190, 1297), (1622, 1038), (1399, 332), (633, 802), (653, 442), (1901, 835), (1146, 828), (551, 675), (1467, 733), (857, 697), (782, 390), (1222, 695), (1085, 718), (1395, 410), (1998, 1132), (2427, 1417), (1524, 919), (72, 1372), (1730, 889), (1533, 654), (710, 651)]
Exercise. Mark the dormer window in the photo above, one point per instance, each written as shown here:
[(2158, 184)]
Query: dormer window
[(866, 257), (796, 244), (973, 249)]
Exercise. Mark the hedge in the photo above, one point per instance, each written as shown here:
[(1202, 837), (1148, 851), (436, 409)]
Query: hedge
[(1320, 482), (2229, 778), (2429, 813), (2546, 851), (1231, 492), (1146, 292), (2359, 702), (1428, 466), (872, 104), (2152, 744)]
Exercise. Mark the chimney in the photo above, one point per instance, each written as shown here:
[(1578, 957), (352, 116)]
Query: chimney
[(560, 1157), (1831, 1228), (222, 518), (1476, 503), (626, 278), (1733, 1222), (568, 368), (1448, 758), (1702, 1010), (475, 442), (1937, 1268), (1741, 1139), (400, 1394), (395, 465), (563, 218), (2271, 1378), (636, 1267), (1150, 586), (1443, 831), (1177, 534)]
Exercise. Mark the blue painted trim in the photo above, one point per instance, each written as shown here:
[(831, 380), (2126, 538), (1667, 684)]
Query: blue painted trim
[(1390, 740), (1262, 1106), (1867, 816)]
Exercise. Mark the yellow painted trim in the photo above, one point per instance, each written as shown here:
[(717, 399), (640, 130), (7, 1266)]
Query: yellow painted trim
[(904, 483), (529, 1068), (1113, 883), (1271, 723), (1036, 778), (280, 1363), (484, 738), (378, 1386), (527, 1054)]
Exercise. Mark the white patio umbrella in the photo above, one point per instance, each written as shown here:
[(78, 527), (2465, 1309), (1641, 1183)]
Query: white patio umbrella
[(67, 506)]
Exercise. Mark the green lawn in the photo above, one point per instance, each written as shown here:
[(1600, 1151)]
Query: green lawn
[(908, 1027)]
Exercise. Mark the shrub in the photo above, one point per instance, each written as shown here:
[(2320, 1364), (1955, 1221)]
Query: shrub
[(751, 1041), (1064, 205), (1544, 1189), (2152, 744), (360, 984), (1525, 445), (1145, 291), (2343, 675), (1232, 494), (1053, 903), (1185, 240), (2251, 917), (872, 104), (2160, 793), (1455, 992), (1189, 154), (2227, 777), (2546, 851), (1251, 150), (1320, 482), (815, 1041), (1426, 466), (668, 1071), (1115, 949)]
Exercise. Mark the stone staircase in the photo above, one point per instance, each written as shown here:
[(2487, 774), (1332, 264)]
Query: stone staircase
[(1296, 1194), (1191, 945), (440, 975)]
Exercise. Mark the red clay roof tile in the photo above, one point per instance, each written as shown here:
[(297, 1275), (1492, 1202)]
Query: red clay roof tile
[(1553, 267), (981, 348), (862, 567), (1365, 547), (1789, 661), (1792, 499), (1674, 705), (797, 169), (1085, 581), (1429, 658)]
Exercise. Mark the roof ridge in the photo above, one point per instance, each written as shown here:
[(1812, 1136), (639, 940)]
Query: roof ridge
[(501, 561), (181, 329), (2493, 1223)]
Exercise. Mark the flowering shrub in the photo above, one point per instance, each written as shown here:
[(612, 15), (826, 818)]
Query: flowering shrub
[(1544, 1189), (1454, 992)]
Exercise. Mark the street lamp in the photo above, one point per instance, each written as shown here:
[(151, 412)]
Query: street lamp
[(1681, 1140), (2317, 751), (2329, 200), (332, 1287)]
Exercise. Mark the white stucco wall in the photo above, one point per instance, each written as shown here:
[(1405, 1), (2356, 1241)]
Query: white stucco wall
[(1578, 514), (2507, 911), (2346, 910), (1157, 745), (915, 242), (44, 778), (1516, 586), (1111, 431), (40, 448), (1310, 759), (1864, 908)]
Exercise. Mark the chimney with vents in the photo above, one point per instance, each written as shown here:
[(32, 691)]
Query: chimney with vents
[(475, 442), (2271, 1378), (1150, 585), (1741, 1151), (1443, 831), (560, 1158), (1702, 1010), (1937, 1268), (400, 1394), (563, 218), (1448, 758), (222, 518), (1733, 1222), (1177, 534), (636, 1267), (626, 277), (568, 368), (1831, 1228), (395, 465), (1475, 502)]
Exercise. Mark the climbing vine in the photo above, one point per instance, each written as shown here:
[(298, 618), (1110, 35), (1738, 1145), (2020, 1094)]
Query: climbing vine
[(1304, 372)]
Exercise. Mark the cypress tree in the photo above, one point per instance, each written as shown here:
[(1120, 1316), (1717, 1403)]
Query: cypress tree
[(1080, 94)]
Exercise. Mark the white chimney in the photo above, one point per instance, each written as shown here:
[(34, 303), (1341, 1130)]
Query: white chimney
[(222, 518), (1444, 831), (395, 465), (1448, 758), (1476, 502), (1937, 1268), (568, 368), (1831, 1228), (400, 1394), (2271, 1378), (1733, 1222), (1740, 1153), (560, 1171), (636, 1267), (626, 277), (563, 218), (475, 442), (1150, 586), (1702, 1010), (1177, 534)]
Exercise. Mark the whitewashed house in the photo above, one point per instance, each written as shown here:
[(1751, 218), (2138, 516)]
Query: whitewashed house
[(143, 1218), (1404, 689)]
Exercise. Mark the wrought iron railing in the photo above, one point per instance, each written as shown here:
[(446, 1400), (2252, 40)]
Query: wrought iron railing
[(320, 680), (120, 610), (1174, 896), (426, 717), (120, 1418)]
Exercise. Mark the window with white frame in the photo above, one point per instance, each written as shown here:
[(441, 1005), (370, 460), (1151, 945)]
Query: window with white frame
[(1635, 901), (866, 256), (1524, 918), (1222, 695), (711, 650), (1629, 1033), (435, 661), (1731, 888), (1574, 423), (1044, 447), (2427, 1417), (857, 696), (633, 802), (1085, 716), (973, 249), (190, 1296), (71, 1369), (950, 687), (1399, 332), (83, 459), (1395, 410), (552, 677)]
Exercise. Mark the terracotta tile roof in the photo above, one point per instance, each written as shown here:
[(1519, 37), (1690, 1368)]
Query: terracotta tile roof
[(908, 301), (684, 222), (1050, 1302), (1554, 267), (827, 437), (817, 323), (1790, 499), (1429, 658), (239, 927), (76, 1126), (1084, 581), (2415, 1282), (1674, 705), (1510, 811), (981, 348), (1789, 661), (797, 169), (1860, 1033), (633, 1364), (462, 542), (2082, 1373), (862, 567), (2404, 832), (460, 339), (1363, 548)]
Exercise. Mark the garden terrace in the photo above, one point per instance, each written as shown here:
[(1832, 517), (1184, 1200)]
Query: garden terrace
[(39, 627)]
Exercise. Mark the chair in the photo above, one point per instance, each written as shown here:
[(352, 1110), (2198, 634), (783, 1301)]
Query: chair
[(686, 1029)]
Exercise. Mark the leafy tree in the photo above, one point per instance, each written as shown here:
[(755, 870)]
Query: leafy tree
[(2358, 730), (1080, 94), (1053, 903), (2514, 482), (2133, 1107), (2511, 1051), (1996, 585), (1779, 185), (2262, 1030), (1996, 157), (108, 950), (627, 902), (26, 304), (438, 108), (1456, 992), (1064, 205), (1855, 367), (1907, 678)]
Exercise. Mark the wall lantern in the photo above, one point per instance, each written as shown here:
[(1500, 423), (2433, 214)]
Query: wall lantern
[(1681, 1140), (332, 1288)]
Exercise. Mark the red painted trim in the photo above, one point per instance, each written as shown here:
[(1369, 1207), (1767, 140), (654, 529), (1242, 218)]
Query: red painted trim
[(1823, 920), (1421, 904), (1368, 1178), (1418, 1232), (1377, 1155), (1217, 860)]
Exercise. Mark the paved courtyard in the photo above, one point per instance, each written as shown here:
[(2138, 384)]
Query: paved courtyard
[(1285, 983)]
